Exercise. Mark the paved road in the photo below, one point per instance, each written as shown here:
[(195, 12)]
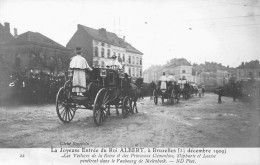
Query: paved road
[(197, 122)]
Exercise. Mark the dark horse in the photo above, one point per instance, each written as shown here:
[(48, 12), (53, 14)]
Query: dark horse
[(122, 87)]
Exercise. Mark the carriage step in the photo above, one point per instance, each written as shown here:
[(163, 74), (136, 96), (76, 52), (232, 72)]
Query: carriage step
[(80, 98)]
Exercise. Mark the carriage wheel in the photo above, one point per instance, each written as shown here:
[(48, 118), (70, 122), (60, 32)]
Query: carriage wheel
[(126, 107), (155, 97), (100, 108), (64, 107)]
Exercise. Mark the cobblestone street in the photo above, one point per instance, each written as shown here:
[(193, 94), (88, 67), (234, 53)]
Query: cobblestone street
[(197, 122)]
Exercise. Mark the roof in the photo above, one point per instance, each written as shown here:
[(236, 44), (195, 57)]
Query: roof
[(35, 38), (249, 65), (4, 35), (109, 37)]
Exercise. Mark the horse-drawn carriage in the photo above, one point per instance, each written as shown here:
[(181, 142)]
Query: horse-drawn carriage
[(105, 88), (170, 93), (186, 89)]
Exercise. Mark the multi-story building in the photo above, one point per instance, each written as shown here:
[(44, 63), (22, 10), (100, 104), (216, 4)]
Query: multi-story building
[(31, 52), (207, 78), (222, 77), (99, 45), (181, 72), (152, 74), (249, 71)]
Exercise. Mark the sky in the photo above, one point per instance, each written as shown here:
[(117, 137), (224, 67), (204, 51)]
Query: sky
[(222, 31)]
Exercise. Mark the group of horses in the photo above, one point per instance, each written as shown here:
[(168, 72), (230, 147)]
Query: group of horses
[(173, 92)]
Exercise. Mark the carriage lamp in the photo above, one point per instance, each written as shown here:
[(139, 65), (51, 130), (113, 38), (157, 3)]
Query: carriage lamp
[(103, 74)]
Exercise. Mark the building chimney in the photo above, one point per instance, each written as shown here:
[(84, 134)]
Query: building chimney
[(124, 38), (242, 63), (7, 27), (15, 33), (228, 66), (103, 32)]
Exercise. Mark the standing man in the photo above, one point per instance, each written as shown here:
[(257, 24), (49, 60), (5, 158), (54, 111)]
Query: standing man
[(220, 93), (203, 90), (79, 64), (234, 91), (163, 80)]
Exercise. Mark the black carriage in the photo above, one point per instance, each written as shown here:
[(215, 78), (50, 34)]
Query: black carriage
[(105, 88), (186, 89), (170, 93)]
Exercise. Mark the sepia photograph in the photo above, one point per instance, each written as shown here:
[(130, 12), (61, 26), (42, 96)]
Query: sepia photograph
[(130, 74)]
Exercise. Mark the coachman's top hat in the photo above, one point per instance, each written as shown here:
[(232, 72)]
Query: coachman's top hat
[(78, 50)]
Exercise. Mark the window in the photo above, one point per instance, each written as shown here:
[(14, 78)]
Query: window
[(103, 44), (102, 52), (250, 74), (102, 64), (258, 74), (133, 59), (136, 60), (129, 59), (133, 70), (108, 53), (141, 61), (114, 53), (96, 51), (129, 71), (140, 72), (123, 57), (137, 72), (183, 71)]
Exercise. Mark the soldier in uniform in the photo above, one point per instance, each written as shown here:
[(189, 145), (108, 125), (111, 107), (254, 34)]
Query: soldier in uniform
[(79, 64)]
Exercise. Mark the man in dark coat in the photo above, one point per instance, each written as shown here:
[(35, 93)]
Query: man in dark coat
[(152, 87), (220, 93), (234, 91)]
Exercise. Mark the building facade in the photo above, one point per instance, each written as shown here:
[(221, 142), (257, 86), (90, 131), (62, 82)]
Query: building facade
[(248, 71), (31, 53), (222, 77), (100, 45), (152, 74), (207, 78), (5, 34), (179, 72)]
